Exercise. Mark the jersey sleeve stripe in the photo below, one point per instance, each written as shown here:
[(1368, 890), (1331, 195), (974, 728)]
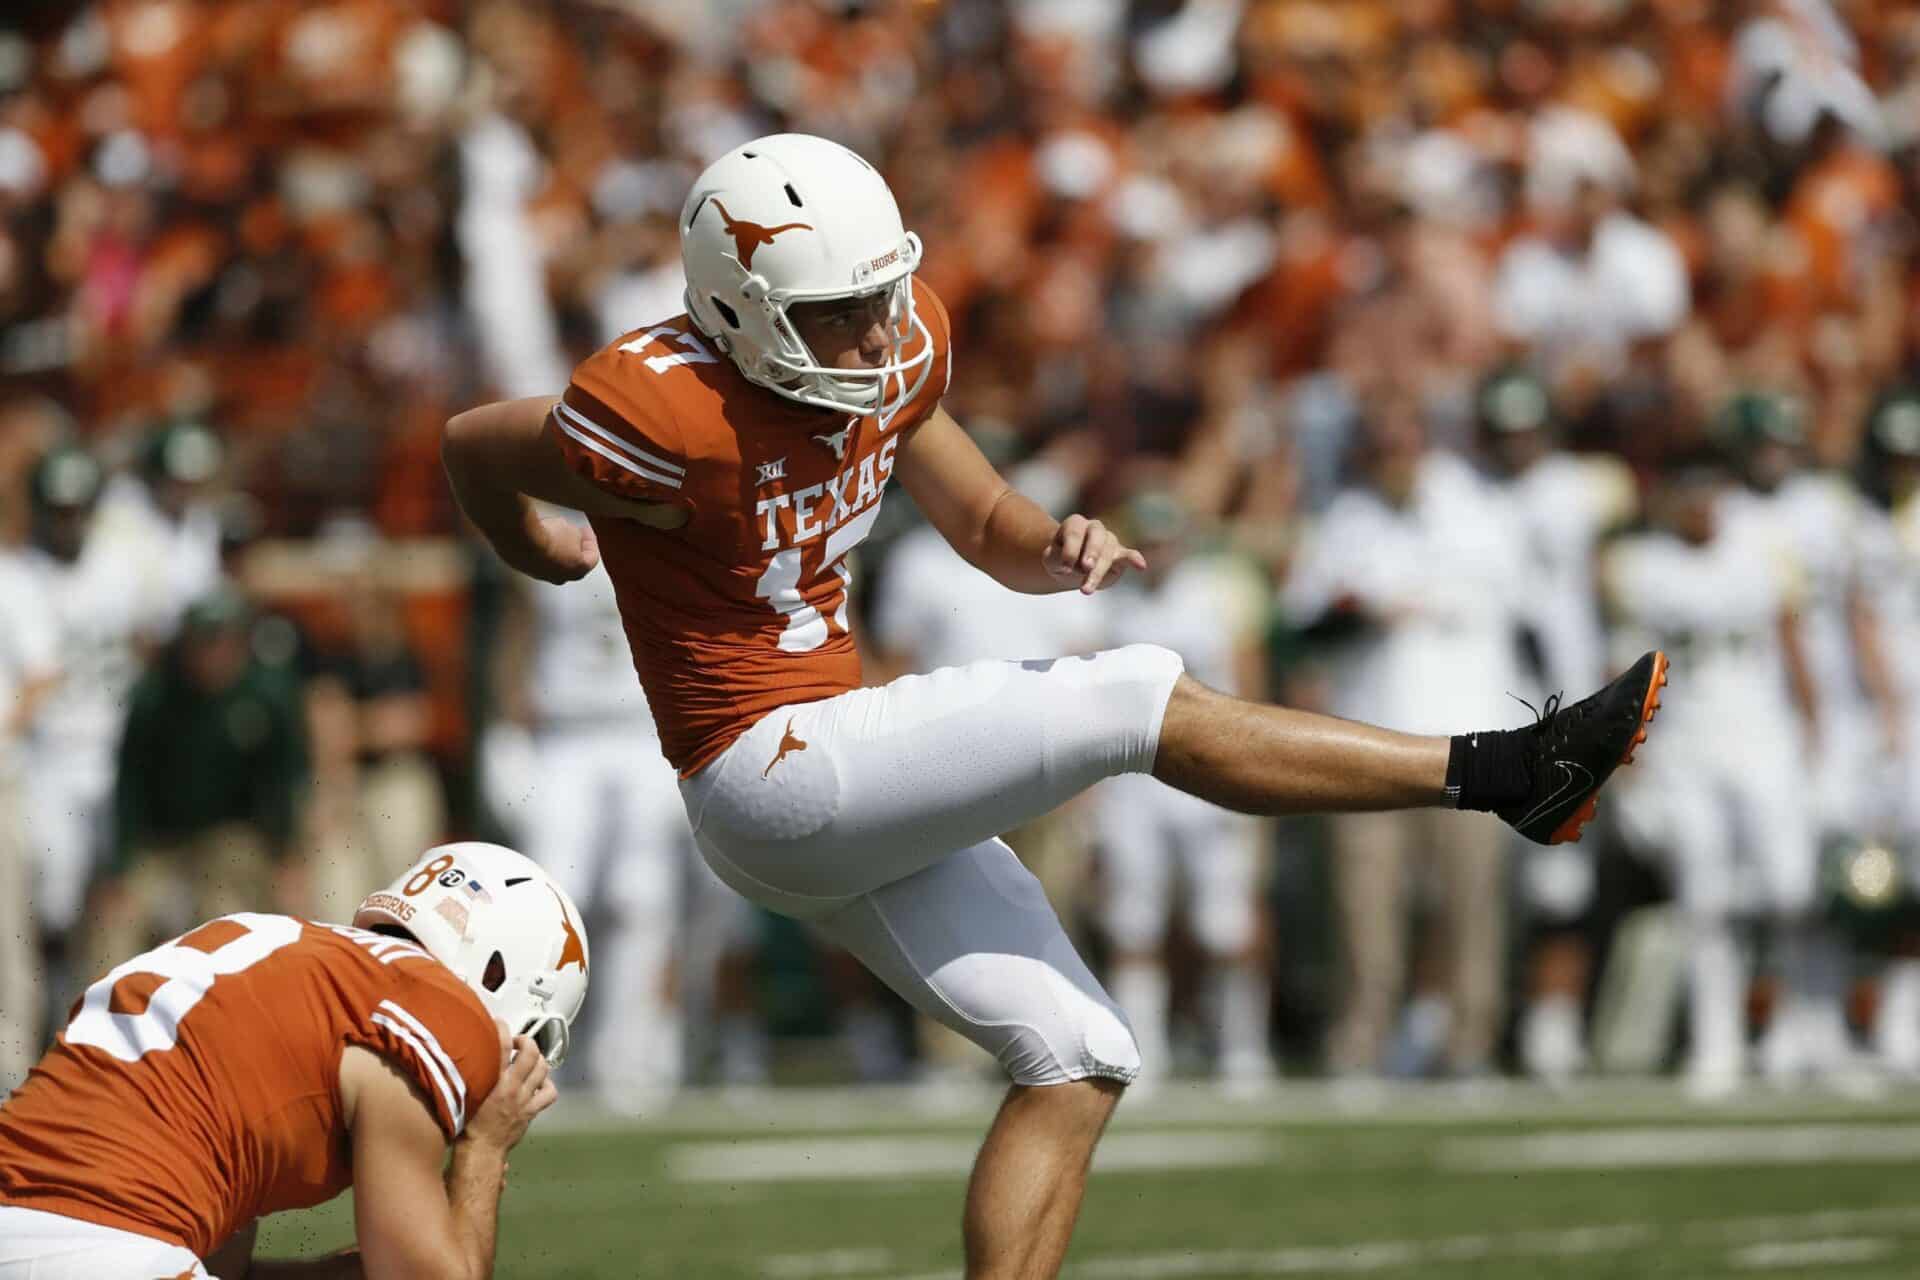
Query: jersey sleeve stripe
[(572, 415), (433, 1045), (455, 1112), (446, 1077), (618, 461)]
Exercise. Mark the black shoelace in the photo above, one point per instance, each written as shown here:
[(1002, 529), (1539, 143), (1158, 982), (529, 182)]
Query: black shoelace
[(1544, 712)]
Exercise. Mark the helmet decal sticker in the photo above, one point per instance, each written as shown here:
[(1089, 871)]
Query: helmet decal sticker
[(749, 236)]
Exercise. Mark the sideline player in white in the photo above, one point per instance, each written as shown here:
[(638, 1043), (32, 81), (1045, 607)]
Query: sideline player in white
[(29, 668), (1820, 523), (730, 458), (99, 607), (1714, 592), (1211, 610), (1566, 503), (1420, 631), (165, 522), (1893, 455), (596, 804)]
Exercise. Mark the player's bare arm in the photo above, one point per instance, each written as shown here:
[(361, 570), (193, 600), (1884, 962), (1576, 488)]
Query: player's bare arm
[(412, 1221), (1800, 681), (1876, 671), (996, 528), (500, 459)]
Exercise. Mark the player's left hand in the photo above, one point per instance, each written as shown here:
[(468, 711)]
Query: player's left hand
[(1085, 554), (524, 1091)]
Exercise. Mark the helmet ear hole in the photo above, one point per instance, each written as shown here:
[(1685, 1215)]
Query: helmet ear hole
[(727, 313), (496, 975)]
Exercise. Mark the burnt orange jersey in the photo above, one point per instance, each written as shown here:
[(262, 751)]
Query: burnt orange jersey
[(197, 1086), (743, 609)]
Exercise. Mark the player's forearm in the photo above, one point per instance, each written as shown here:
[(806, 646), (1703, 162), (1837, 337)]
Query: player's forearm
[(1800, 681), (1876, 671), (475, 1178), (1013, 543)]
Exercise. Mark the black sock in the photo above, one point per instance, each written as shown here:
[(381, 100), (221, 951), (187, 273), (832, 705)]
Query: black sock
[(1488, 770)]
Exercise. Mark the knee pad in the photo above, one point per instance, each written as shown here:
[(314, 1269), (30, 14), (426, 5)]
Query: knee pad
[(1092, 1041), (1026, 997)]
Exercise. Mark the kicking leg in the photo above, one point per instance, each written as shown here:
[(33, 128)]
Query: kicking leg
[(1274, 760), (892, 776), (1543, 779)]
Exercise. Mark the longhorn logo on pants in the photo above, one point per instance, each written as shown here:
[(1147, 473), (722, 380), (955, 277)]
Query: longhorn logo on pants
[(787, 743)]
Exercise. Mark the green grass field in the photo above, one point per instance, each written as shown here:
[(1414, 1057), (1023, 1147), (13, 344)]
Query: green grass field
[(1625, 1181)]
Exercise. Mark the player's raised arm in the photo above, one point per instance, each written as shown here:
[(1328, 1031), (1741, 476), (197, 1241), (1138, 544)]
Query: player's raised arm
[(413, 1222), (500, 458), (996, 528)]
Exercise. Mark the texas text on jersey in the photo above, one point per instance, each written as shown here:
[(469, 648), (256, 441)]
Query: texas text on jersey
[(197, 1086), (743, 609)]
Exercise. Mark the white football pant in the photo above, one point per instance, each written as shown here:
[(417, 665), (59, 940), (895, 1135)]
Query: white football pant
[(875, 814), (49, 1246)]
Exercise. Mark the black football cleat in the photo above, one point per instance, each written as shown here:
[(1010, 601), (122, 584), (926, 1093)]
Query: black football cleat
[(1572, 751)]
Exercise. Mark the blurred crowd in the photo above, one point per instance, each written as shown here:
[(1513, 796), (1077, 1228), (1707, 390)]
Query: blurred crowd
[(1436, 351)]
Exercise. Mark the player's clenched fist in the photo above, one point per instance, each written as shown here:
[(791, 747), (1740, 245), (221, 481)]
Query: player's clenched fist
[(1085, 553), (558, 550), (526, 1089)]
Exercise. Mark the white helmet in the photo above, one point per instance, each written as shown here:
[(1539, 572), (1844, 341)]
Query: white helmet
[(793, 218), (501, 923)]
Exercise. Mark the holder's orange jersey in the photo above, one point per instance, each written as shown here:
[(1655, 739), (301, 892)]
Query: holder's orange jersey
[(197, 1086), (743, 609)]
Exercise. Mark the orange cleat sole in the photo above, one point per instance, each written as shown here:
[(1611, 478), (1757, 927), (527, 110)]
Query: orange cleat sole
[(1576, 822)]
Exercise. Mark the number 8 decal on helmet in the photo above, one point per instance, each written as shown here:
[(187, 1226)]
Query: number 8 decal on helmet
[(417, 883)]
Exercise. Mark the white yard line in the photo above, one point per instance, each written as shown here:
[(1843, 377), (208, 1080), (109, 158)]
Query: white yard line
[(864, 1159), (1687, 1147), (1307, 1104), (1362, 1257), (834, 1262), (1367, 1255), (1845, 1251)]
